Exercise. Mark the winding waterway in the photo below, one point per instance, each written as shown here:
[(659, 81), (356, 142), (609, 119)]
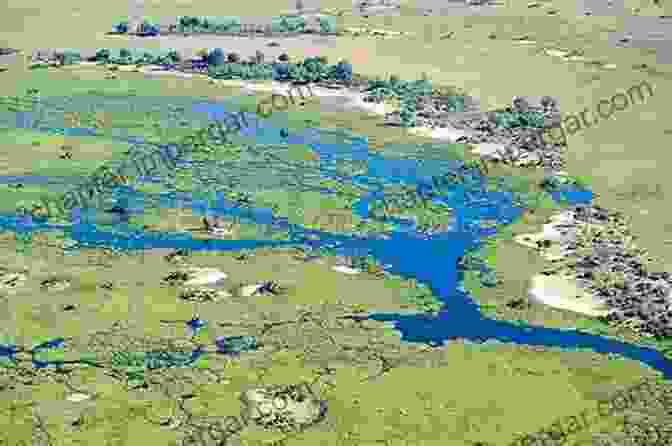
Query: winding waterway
[(433, 261)]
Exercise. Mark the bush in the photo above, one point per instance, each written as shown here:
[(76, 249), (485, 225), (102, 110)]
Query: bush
[(281, 72), (102, 55), (216, 57), (519, 119), (187, 22), (342, 71), (122, 57), (288, 24), (407, 114), (327, 24), (120, 28), (68, 57), (173, 56), (225, 24)]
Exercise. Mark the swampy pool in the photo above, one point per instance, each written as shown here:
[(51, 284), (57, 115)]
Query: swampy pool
[(435, 257)]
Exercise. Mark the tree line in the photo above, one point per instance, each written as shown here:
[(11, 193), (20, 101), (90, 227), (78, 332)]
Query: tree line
[(204, 25)]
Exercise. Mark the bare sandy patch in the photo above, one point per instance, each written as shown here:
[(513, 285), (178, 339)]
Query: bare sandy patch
[(564, 293)]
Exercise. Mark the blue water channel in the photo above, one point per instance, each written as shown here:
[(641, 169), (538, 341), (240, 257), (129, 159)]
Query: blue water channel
[(429, 259)]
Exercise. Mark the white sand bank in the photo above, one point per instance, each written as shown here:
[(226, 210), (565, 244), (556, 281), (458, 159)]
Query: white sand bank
[(204, 276), (448, 133), (557, 231), (345, 270), (565, 294)]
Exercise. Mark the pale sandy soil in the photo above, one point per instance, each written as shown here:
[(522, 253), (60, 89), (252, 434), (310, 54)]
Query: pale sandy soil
[(563, 293)]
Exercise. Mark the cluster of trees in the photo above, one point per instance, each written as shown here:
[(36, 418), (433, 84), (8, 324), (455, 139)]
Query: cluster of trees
[(68, 57), (187, 24), (407, 92), (126, 56), (142, 29), (285, 23), (312, 69), (518, 119)]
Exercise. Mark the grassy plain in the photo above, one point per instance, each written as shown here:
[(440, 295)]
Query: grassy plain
[(461, 392)]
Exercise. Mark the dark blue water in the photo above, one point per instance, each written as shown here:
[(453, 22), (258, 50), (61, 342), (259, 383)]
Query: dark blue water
[(431, 259)]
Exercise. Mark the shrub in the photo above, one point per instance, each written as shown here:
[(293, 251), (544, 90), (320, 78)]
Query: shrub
[(102, 55), (327, 24), (407, 114), (288, 24), (519, 119), (225, 24), (216, 57), (316, 68), (174, 56), (342, 71), (120, 28), (281, 72), (187, 22), (68, 57)]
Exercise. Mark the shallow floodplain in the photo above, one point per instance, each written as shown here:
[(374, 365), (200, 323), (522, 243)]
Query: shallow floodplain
[(361, 406)]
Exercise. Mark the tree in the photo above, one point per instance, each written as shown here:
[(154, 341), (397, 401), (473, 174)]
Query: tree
[(216, 57), (408, 111), (327, 24), (121, 28), (281, 72), (102, 55), (187, 22), (174, 56), (342, 71)]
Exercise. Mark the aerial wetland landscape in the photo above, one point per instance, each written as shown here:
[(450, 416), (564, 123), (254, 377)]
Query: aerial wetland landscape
[(335, 223)]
